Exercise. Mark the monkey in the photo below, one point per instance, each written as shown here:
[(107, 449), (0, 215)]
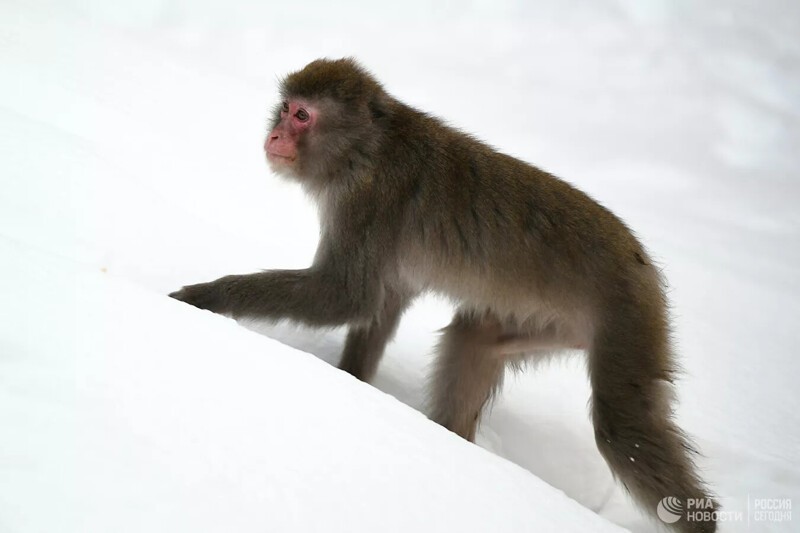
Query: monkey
[(410, 205)]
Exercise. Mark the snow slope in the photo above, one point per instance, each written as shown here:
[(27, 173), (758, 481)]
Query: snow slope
[(130, 144), (129, 413)]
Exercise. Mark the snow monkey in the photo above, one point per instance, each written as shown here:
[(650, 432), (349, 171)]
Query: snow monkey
[(408, 205)]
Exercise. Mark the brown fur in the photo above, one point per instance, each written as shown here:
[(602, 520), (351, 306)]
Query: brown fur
[(409, 205)]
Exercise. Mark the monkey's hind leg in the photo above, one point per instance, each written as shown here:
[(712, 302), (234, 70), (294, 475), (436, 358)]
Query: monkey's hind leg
[(365, 344), (631, 370), (467, 373)]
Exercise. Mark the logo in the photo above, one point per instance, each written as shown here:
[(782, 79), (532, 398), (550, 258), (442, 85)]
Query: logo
[(705, 510), (669, 510)]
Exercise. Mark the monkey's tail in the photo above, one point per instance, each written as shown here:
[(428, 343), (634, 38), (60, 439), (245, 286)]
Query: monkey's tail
[(632, 369)]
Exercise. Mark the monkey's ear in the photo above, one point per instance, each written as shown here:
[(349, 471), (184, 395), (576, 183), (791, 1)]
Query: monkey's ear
[(378, 107)]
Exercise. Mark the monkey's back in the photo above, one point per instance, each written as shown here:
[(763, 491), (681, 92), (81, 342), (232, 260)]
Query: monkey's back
[(481, 224)]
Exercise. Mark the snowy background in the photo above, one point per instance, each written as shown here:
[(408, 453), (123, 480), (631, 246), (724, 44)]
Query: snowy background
[(131, 164)]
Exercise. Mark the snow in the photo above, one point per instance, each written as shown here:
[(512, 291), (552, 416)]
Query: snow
[(131, 164), (131, 414)]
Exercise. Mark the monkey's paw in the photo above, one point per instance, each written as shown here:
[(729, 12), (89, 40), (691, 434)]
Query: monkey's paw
[(212, 296)]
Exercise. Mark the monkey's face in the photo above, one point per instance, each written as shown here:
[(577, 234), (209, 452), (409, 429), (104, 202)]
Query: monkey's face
[(318, 141), (328, 128), (295, 119)]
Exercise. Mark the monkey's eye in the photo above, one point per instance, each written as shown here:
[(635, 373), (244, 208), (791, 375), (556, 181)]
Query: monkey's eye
[(302, 115), (285, 107)]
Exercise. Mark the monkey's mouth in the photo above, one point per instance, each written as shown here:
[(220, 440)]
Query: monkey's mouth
[(282, 159)]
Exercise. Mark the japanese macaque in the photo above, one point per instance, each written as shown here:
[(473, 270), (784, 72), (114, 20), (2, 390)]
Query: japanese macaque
[(408, 205)]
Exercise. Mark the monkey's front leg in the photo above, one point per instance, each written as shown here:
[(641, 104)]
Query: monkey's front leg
[(303, 295), (365, 343)]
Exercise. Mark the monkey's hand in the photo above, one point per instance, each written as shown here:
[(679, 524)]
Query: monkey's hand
[(213, 296)]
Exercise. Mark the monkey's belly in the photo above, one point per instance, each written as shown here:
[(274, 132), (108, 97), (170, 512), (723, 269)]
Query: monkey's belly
[(524, 310)]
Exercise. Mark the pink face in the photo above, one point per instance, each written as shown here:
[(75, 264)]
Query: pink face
[(281, 144)]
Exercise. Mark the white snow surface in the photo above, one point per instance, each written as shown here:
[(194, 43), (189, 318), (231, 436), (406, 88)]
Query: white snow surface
[(131, 164)]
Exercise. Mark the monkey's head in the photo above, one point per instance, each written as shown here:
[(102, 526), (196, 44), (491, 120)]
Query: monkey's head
[(329, 122)]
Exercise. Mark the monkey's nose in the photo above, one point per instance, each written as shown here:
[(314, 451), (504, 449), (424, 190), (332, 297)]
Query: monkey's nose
[(271, 138)]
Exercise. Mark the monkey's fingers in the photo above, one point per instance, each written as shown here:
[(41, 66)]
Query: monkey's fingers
[(209, 296)]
